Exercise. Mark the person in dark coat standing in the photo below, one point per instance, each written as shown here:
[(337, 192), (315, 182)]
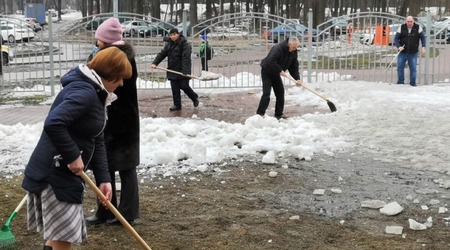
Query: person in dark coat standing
[(281, 57), (407, 42), (71, 142), (121, 133), (178, 52)]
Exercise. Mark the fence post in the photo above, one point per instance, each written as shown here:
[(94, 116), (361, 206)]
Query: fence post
[(1, 58), (50, 53), (115, 8), (427, 49), (310, 18), (184, 18)]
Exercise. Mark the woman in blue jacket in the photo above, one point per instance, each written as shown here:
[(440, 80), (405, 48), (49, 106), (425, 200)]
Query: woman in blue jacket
[(71, 142)]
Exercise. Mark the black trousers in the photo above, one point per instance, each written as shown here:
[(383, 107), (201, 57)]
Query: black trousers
[(204, 64), (270, 82), (129, 196), (178, 85)]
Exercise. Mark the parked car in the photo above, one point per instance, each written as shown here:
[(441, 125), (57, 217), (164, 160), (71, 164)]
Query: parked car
[(7, 55), (189, 26), (26, 23), (33, 24), (338, 26), (155, 29), (224, 33), (283, 31), (441, 31), (11, 33), (131, 28), (97, 20)]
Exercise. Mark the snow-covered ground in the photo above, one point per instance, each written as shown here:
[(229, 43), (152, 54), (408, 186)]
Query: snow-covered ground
[(396, 123)]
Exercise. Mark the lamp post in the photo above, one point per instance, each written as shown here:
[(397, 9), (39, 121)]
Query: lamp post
[(115, 7)]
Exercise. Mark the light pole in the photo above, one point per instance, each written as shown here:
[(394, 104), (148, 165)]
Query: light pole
[(115, 7)]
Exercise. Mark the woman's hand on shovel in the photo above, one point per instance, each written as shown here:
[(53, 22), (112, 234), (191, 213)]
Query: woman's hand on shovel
[(106, 189)]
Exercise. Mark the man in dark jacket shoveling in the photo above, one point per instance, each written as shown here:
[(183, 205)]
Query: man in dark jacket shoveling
[(281, 57), (178, 53)]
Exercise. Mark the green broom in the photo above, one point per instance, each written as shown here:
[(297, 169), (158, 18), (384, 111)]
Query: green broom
[(7, 239)]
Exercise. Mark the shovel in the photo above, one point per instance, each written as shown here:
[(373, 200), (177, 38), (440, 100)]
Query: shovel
[(209, 77), (395, 57), (7, 239), (330, 104), (110, 206)]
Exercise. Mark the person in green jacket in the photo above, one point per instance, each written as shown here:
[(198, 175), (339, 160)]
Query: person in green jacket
[(203, 52)]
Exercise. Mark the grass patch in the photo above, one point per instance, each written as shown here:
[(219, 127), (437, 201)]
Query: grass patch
[(27, 100), (359, 61)]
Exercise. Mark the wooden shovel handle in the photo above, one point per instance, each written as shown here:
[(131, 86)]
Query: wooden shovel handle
[(176, 72), (310, 90), (114, 210)]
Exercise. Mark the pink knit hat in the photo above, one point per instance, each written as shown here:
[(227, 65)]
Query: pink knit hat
[(110, 31)]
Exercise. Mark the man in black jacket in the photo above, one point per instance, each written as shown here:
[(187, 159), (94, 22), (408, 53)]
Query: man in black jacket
[(281, 57), (407, 41), (178, 53)]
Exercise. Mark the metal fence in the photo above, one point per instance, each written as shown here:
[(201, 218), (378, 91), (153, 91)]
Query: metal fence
[(356, 46)]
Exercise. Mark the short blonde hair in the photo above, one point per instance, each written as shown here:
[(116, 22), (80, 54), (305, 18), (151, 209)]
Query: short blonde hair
[(111, 64)]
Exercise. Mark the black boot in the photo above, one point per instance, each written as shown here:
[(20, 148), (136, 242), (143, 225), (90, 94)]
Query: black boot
[(48, 248)]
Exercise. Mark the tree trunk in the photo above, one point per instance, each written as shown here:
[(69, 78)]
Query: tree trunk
[(139, 6), (209, 9), (59, 10), (155, 9), (232, 7), (335, 10), (271, 5), (318, 7), (414, 7), (193, 11), (247, 6), (307, 6), (403, 8), (90, 7)]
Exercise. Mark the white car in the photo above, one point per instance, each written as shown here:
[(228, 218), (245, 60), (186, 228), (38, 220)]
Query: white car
[(131, 28), (12, 32), (7, 55)]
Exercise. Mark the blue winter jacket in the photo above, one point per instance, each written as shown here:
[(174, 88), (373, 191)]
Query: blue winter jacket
[(74, 126)]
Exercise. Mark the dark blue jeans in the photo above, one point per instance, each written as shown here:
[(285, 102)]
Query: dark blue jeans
[(276, 83), (181, 84), (403, 57)]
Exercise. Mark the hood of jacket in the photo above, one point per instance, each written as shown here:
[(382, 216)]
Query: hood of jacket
[(83, 73)]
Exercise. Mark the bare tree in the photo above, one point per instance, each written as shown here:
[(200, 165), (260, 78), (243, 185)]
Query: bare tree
[(414, 7), (193, 11), (403, 8), (446, 6), (155, 9), (318, 7)]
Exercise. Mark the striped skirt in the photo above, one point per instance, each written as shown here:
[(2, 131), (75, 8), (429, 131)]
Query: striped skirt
[(60, 221)]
